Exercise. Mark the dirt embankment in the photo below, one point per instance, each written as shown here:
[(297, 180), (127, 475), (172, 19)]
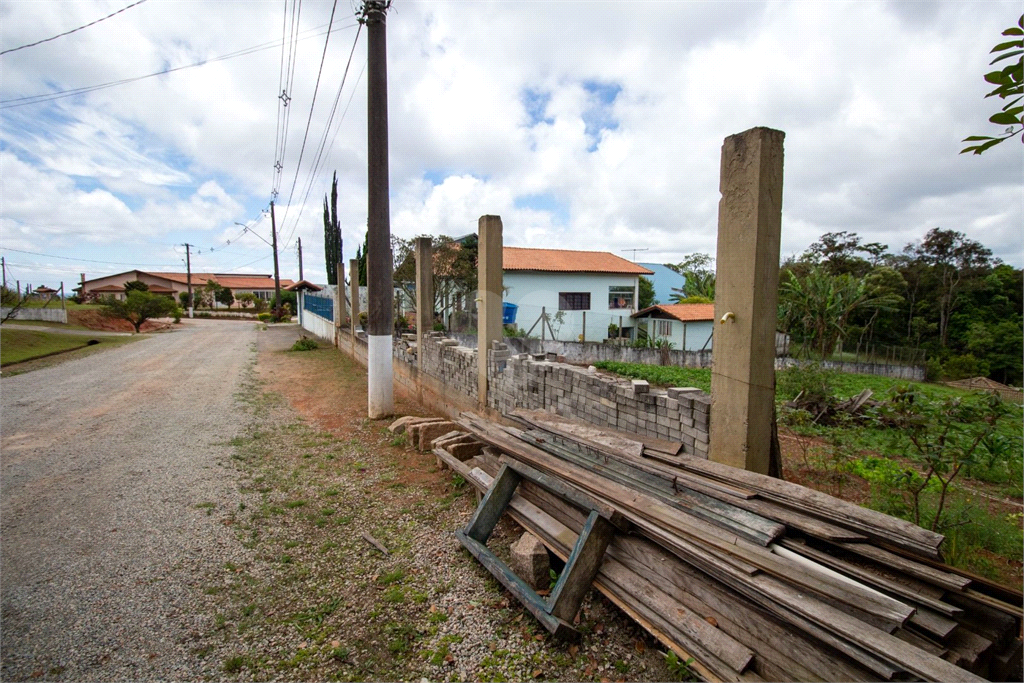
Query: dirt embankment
[(95, 320)]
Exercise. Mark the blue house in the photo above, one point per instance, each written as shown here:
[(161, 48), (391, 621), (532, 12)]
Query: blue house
[(665, 280)]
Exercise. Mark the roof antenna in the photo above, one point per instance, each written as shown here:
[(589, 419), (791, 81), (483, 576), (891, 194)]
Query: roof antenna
[(634, 252)]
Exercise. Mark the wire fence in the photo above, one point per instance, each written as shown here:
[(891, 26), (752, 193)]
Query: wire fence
[(877, 354)]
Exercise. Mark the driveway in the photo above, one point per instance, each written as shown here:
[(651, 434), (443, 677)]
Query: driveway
[(110, 468)]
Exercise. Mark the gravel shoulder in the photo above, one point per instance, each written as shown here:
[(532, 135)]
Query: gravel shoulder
[(109, 467)]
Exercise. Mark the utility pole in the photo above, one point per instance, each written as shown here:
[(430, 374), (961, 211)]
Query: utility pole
[(3, 264), (277, 275), (380, 326), (188, 267), (300, 258)]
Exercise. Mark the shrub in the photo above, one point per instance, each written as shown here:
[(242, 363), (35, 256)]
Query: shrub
[(438, 327), (305, 344), (964, 367), (264, 317)]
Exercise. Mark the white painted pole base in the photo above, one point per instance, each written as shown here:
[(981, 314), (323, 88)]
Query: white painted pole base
[(380, 375), (190, 311)]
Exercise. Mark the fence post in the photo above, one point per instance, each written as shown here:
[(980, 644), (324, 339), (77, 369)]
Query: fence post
[(489, 285), (746, 297), (583, 338), (543, 322), (353, 274), (424, 293)]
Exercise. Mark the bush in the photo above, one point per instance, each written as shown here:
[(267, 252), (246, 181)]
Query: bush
[(364, 319), (964, 367), (305, 344), (438, 327), (264, 317)]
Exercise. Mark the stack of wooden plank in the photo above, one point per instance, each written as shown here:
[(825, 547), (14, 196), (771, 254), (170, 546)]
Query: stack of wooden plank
[(754, 577)]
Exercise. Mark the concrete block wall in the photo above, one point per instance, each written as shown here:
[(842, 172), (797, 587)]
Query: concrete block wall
[(632, 406)]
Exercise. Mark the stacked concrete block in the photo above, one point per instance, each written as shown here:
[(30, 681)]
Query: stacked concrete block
[(542, 382)]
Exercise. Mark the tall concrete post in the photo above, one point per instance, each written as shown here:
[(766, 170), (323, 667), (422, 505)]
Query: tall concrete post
[(746, 299), (424, 293), (489, 286), (353, 269), (341, 310)]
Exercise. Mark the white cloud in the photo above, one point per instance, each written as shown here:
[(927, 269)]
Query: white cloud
[(874, 99)]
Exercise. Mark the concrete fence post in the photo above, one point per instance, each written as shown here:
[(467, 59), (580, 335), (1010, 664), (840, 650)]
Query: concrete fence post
[(489, 286), (746, 299), (424, 294), (353, 267)]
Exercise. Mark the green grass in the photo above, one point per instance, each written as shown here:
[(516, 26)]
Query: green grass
[(661, 375), (17, 346)]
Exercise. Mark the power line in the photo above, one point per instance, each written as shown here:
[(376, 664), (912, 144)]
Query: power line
[(86, 260), (61, 94), (323, 150), (287, 92), (309, 119), (67, 33)]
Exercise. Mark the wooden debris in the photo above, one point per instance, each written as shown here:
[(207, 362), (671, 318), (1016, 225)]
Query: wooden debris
[(375, 543), (756, 578)]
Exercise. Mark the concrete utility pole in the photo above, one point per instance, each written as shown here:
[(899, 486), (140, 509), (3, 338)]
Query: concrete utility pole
[(490, 272), (300, 258), (746, 299), (188, 279), (277, 275), (379, 265), (3, 263)]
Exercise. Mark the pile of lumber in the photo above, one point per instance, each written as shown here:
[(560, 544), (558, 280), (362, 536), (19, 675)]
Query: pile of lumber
[(827, 409), (754, 577)]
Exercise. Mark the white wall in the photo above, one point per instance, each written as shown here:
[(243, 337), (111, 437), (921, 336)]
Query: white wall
[(688, 336), (532, 291)]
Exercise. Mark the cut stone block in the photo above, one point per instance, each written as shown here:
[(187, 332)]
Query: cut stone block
[(431, 430), (465, 451), (403, 423), (530, 562)]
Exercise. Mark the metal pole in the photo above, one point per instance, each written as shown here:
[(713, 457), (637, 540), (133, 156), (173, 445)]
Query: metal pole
[(583, 337), (277, 274), (379, 282), (300, 258), (188, 267), (543, 322)]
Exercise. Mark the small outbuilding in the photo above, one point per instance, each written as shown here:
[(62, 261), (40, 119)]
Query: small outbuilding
[(688, 327)]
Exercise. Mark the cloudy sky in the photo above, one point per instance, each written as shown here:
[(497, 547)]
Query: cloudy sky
[(584, 125)]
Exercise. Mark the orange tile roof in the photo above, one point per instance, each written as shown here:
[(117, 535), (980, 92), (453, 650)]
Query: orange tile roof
[(230, 281), (687, 313), (567, 261)]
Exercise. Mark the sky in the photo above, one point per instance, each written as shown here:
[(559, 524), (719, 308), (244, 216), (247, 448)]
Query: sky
[(584, 125)]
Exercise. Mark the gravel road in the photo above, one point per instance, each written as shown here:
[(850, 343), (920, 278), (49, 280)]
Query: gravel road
[(108, 467)]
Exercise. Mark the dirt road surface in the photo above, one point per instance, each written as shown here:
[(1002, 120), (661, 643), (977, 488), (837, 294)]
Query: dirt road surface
[(109, 466)]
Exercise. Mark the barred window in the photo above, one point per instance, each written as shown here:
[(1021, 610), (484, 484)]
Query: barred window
[(620, 297), (574, 301), (664, 328)]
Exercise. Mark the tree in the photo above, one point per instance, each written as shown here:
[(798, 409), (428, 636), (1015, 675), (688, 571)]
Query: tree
[(135, 286), (646, 293), (1009, 82), (138, 307), (951, 257), (699, 271), (12, 301), (837, 252), (361, 259), (818, 306), (246, 299), (225, 296), (332, 234)]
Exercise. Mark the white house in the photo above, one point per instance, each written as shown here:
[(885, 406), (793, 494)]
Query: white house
[(688, 327), (571, 287)]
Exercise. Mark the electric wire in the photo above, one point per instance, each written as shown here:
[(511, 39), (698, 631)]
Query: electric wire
[(287, 94), (86, 260), (323, 151), (280, 84), (309, 119), (61, 94), (67, 33)]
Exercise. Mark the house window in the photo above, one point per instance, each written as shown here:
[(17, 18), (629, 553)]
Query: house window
[(574, 301), (620, 297), (664, 328)]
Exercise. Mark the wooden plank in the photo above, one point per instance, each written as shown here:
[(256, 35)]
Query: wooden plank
[(879, 643), (870, 577), (567, 492), (735, 519), (526, 595), (694, 590), (643, 510), (581, 567), (933, 623), (1014, 611), (938, 577), (920, 643), (493, 504)]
